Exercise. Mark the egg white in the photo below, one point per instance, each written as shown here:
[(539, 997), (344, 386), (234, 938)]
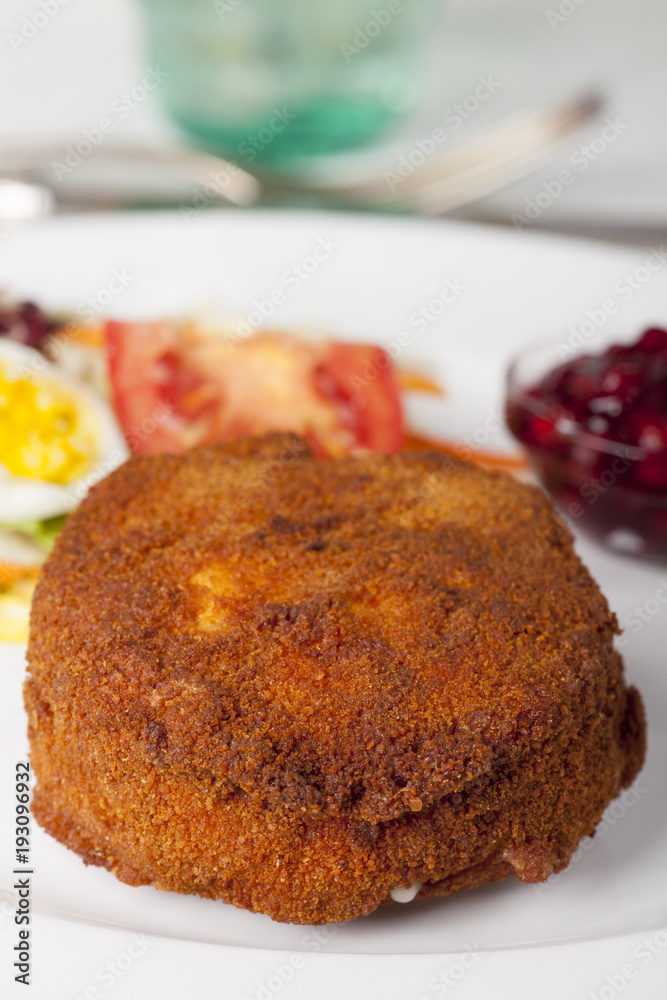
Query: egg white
[(23, 498)]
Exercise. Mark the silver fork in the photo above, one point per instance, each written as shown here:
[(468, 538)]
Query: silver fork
[(479, 164)]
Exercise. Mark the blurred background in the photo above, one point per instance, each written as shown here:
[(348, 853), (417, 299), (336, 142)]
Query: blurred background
[(313, 96)]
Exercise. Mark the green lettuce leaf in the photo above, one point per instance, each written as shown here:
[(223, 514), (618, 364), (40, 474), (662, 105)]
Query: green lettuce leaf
[(44, 532)]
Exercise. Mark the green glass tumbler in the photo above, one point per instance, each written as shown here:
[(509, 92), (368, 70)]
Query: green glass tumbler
[(279, 81)]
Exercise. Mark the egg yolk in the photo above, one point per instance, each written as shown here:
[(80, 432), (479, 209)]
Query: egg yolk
[(45, 432)]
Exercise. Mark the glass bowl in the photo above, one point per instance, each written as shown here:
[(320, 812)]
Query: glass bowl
[(614, 490)]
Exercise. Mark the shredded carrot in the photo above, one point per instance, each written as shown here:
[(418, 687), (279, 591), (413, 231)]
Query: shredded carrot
[(488, 459), (86, 336), (410, 381), (10, 574)]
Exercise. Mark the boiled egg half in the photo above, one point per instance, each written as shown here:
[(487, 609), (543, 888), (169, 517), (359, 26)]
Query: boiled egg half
[(57, 437)]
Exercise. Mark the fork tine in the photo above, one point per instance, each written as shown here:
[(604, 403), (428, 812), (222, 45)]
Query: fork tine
[(493, 157)]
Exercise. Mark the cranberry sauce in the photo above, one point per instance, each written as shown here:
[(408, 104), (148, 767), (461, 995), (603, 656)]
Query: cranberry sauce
[(596, 430), (25, 322)]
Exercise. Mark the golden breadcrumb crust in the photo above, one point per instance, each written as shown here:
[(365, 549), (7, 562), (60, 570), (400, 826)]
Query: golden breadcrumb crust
[(294, 685)]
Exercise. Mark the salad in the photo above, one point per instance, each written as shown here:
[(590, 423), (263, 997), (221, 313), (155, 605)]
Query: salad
[(76, 400)]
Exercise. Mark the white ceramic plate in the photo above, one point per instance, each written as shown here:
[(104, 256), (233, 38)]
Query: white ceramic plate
[(456, 301)]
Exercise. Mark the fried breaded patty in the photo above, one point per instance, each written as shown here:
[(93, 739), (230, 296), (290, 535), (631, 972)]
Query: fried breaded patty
[(296, 685)]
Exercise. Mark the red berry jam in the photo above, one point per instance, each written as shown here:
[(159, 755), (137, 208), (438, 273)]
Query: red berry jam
[(596, 431), (24, 322)]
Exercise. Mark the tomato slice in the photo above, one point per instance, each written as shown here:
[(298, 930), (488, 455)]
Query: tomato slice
[(175, 386), (361, 380)]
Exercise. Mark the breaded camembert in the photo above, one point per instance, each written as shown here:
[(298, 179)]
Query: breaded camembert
[(301, 686)]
